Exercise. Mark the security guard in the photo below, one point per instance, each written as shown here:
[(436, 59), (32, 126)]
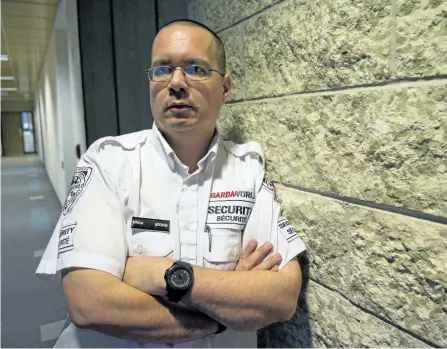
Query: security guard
[(153, 237)]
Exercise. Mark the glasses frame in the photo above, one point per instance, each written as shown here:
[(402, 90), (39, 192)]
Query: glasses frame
[(209, 70)]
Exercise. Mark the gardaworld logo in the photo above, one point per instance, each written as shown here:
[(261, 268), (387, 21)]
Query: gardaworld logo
[(78, 184), (233, 194)]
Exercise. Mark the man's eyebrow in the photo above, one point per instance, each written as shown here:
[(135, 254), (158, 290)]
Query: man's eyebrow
[(161, 62)]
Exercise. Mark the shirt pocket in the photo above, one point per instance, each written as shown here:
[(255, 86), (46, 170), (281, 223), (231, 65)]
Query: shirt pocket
[(150, 243), (222, 248)]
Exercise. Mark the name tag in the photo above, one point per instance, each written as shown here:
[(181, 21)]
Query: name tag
[(150, 224), (230, 209)]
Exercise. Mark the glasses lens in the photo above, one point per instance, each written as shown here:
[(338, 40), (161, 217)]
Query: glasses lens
[(161, 73), (196, 72)]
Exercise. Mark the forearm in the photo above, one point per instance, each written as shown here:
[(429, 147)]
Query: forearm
[(123, 311), (244, 300)]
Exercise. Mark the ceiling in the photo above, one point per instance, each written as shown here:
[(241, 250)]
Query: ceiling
[(26, 30)]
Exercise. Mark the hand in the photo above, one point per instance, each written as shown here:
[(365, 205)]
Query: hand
[(147, 273), (252, 259)]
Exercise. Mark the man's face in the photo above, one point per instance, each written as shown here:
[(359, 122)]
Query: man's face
[(198, 102)]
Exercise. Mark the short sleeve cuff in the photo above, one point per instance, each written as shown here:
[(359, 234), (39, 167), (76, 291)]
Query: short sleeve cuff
[(75, 259), (294, 249)]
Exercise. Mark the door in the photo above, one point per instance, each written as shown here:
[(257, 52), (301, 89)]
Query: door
[(12, 134), (28, 132)]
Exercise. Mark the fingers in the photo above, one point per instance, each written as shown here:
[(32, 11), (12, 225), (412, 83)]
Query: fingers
[(255, 258), (242, 264), (270, 262), (251, 247)]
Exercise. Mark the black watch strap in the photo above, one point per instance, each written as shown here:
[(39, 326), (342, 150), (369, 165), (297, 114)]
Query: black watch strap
[(221, 328), (175, 295)]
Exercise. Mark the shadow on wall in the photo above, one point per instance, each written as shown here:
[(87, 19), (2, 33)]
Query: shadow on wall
[(295, 333)]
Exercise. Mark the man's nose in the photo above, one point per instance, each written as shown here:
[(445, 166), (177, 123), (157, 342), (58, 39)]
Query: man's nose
[(178, 81)]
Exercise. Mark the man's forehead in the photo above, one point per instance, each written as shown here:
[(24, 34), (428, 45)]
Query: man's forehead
[(183, 41)]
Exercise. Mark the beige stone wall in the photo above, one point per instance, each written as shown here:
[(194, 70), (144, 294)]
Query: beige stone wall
[(349, 100)]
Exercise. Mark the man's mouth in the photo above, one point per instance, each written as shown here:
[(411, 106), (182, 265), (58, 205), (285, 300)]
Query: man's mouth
[(179, 107)]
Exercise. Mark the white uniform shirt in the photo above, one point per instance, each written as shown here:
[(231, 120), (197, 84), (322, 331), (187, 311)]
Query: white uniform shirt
[(205, 218)]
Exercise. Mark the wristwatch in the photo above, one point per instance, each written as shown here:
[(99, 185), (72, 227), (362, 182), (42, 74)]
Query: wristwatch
[(179, 279)]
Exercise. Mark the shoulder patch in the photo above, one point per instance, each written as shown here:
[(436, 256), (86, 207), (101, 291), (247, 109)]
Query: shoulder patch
[(79, 182), (66, 238), (287, 230), (267, 184)]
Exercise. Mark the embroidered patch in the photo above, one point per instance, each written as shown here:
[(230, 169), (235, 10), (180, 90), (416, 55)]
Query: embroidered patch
[(268, 184), (230, 209), (66, 238), (287, 230), (80, 180)]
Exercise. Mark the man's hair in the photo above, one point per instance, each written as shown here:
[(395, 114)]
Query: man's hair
[(220, 48)]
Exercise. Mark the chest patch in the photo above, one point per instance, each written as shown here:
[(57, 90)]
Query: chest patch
[(230, 209)]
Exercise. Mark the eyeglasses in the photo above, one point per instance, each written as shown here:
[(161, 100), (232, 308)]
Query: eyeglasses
[(190, 72)]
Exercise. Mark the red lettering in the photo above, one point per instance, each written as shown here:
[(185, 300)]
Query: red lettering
[(223, 194)]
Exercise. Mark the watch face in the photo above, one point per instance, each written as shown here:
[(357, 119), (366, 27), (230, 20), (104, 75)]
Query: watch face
[(180, 278)]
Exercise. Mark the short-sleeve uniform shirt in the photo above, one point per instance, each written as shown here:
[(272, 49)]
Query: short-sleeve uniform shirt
[(131, 195)]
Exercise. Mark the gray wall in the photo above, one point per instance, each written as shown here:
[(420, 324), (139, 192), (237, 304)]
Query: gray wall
[(115, 44)]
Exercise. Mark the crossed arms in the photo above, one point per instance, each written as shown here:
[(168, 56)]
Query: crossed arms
[(255, 295)]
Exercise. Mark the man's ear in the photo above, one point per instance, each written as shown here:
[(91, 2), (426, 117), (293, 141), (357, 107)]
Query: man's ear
[(226, 88)]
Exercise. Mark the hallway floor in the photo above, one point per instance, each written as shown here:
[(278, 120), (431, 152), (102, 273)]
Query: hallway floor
[(33, 311)]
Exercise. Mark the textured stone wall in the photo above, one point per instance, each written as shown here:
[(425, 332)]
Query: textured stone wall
[(349, 100)]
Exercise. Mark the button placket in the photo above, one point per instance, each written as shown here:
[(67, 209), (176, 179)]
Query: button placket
[(187, 218)]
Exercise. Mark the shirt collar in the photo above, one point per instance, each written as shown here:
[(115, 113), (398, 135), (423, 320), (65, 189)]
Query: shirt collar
[(165, 151)]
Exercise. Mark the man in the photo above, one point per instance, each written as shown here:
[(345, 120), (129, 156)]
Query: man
[(178, 192)]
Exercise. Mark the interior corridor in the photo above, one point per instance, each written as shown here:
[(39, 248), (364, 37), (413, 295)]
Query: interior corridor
[(33, 310)]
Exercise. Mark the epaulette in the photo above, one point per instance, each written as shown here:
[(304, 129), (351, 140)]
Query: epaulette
[(127, 141), (241, 150)]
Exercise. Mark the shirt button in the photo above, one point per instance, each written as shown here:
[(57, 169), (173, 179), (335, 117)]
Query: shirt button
[(233, 254), (140, 249)]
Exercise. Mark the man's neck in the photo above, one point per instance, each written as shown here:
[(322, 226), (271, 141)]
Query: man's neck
[(190, 148)]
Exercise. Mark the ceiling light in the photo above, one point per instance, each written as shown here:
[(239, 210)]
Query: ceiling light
[(4, 58), (9, 89), (7, 78)]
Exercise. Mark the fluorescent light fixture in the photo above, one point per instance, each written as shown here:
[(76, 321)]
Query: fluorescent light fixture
[(8, 89), (4, 58), (7, 78)]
